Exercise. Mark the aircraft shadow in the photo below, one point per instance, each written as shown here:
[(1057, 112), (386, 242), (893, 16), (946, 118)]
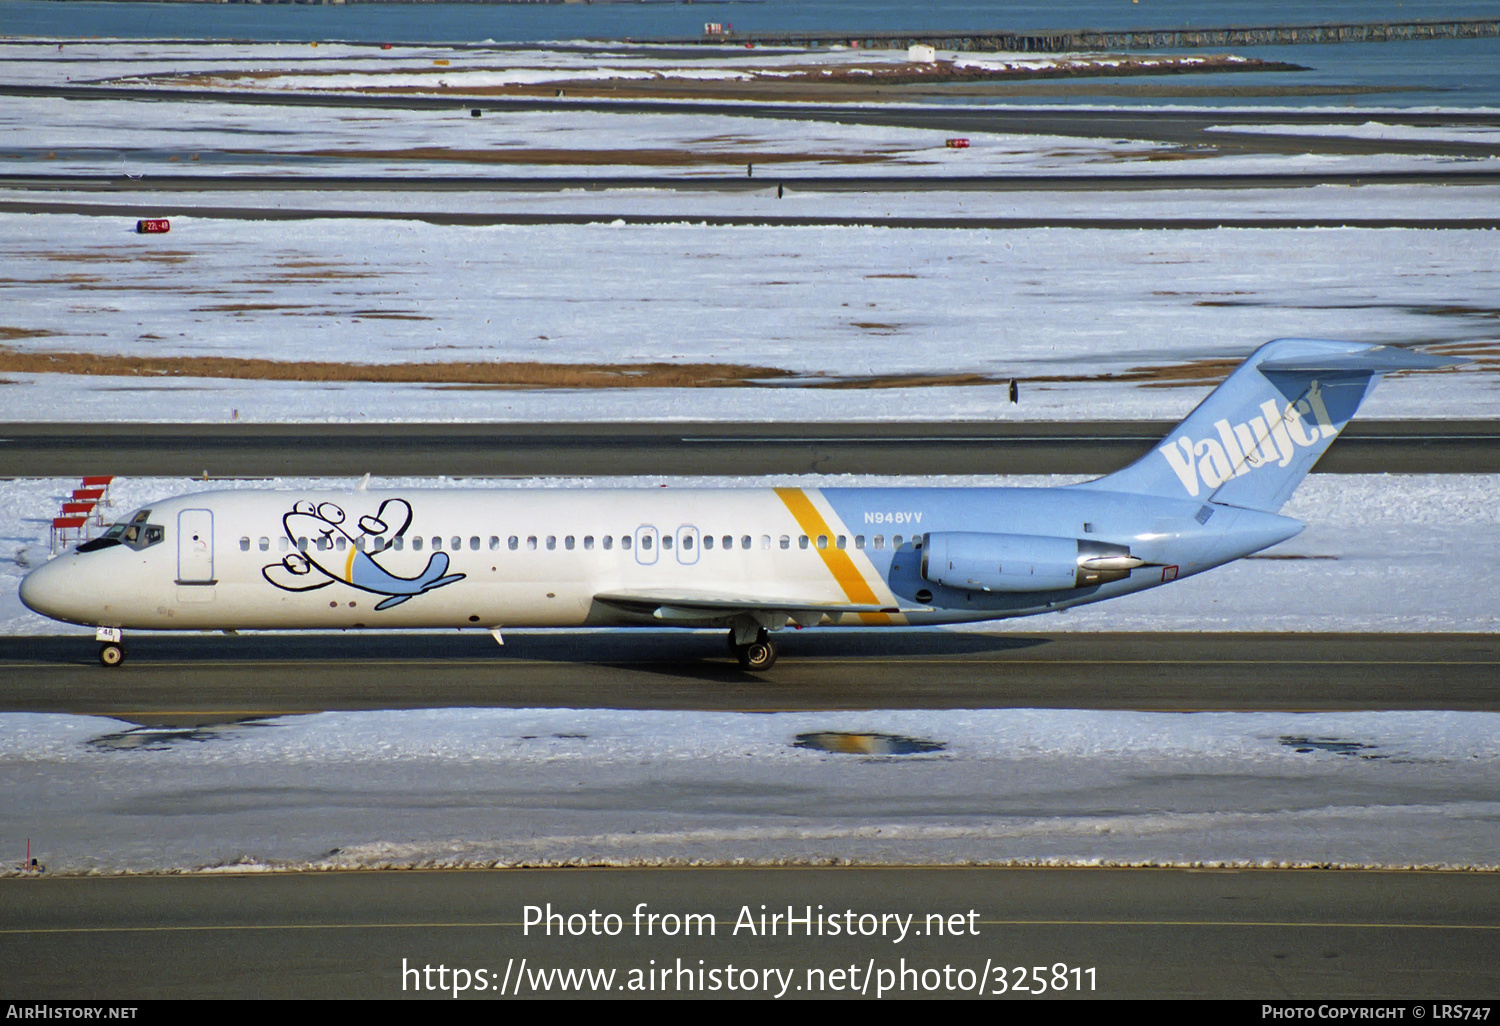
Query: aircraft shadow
[(625, 648)]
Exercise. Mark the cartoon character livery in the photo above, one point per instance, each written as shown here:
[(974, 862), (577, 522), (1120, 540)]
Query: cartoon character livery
[(316, 529), (750, 561)]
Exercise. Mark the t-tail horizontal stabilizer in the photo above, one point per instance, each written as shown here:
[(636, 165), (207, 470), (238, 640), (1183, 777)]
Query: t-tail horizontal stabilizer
[(1256, 436)]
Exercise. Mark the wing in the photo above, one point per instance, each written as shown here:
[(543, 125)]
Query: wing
[(698, 605)]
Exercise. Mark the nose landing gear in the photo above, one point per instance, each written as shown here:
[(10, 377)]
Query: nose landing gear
[(111, 646)]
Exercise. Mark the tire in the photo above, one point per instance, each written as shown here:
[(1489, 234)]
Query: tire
[(111, 655), (758, 655)]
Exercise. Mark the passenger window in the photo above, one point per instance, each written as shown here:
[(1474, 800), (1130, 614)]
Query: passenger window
[(708, 541), (842, 542), (531, 542), (513, 543), (880, 541), (494, 543), (729, 541), (859, 541), (588, 541), (687, 541), (568, 543), (895, 541), (401, 542), (801, 541), (416, 543), (666, 541), (474, 543), (283, 543), (786, 542), (324, 543), (625, 541), (265, 545), (609, 541), (551, 542), (822, 541), (645, 541), (340, 543), (765, 541), (455, 544), (301, 544), (244, 544), (437, 544)]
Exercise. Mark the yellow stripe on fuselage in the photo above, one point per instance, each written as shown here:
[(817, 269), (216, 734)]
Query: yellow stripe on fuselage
[(856, 589), (349, 565)]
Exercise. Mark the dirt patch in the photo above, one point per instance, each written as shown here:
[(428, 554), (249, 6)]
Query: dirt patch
[(1289, 556), (495, 375), (11, 334), (470, 375), (249, 307), (160, 256), (466, 375)]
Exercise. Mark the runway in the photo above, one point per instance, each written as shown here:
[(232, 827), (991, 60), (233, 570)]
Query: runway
[(688, 448), (750, 220), (197, 679), (1258, 934)]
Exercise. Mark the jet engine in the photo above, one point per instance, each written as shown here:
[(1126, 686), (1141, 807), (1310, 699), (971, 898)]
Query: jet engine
[(1022, 562)]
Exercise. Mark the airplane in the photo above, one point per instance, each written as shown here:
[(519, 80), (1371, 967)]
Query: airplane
[(750, 560)]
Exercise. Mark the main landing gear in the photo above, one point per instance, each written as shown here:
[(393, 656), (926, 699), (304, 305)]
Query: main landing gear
[(759, 654), (111, 646)]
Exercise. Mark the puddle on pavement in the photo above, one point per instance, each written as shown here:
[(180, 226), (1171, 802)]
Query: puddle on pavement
[(847, 743), (1307, 745), (158, 739)]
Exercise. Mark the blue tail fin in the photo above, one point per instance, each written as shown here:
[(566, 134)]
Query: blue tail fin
[(1255, 437)]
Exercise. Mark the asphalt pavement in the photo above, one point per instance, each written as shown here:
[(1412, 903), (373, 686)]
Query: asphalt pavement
[(728, 448), (1027, 933)]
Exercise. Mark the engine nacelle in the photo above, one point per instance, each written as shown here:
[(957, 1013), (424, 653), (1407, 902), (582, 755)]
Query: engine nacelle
[(1022, 562)]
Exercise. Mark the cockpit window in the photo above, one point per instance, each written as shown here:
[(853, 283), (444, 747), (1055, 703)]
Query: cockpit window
[(136, 533), (139, 535)]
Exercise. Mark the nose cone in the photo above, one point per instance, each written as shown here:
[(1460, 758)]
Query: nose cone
[(49, 590)]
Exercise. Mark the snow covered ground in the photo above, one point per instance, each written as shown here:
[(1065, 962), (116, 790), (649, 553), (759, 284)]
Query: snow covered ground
[(1381, 553), (485, 787), (1056, 308)]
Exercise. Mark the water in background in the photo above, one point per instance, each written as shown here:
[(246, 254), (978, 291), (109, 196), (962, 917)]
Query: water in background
[(1439, 73)]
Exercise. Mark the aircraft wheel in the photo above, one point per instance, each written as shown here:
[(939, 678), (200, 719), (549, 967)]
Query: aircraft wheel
[(111, 654), (758, 655)]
